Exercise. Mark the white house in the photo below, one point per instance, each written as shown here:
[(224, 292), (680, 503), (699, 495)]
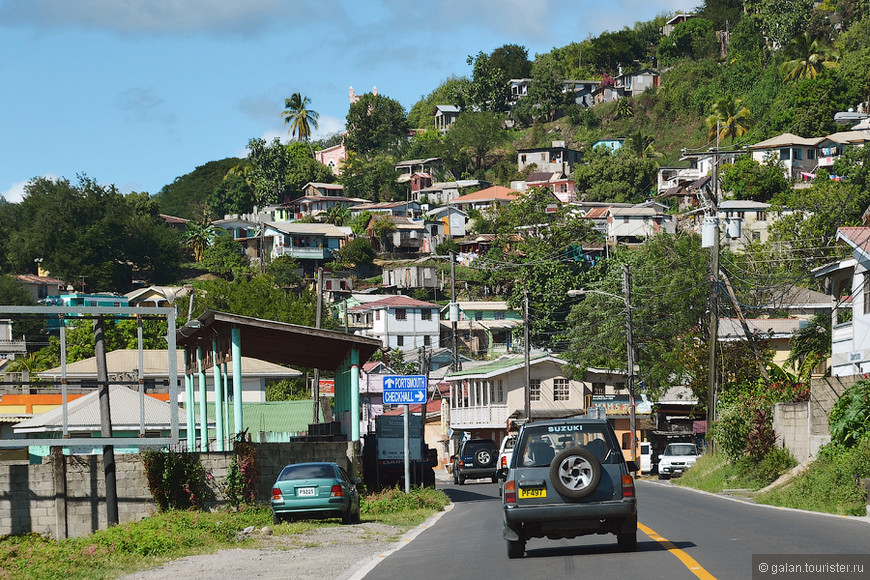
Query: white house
[(399, 322), (305, 241), (849, 287), (638, 222), (797, 154)]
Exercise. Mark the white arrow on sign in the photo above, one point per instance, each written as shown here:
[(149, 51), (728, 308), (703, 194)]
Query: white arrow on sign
[(419, 396)]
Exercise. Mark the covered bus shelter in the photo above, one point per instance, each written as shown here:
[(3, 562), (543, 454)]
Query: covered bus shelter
[(215, 338)]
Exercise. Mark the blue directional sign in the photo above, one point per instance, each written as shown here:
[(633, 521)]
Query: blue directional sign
[(404, 389)]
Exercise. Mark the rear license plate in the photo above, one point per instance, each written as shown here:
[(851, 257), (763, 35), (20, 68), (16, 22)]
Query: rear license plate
[(306, 491), (532, 492)]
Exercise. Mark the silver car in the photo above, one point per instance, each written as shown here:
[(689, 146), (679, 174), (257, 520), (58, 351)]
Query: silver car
[(568, 478)]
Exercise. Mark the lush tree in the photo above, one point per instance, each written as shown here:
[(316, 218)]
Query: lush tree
[(621, 178), (475, 134), (730, 118), (724, 14), (372, 178), (225, 257), (489, 89), (299, 116), (285, 270), (748, 179), (357, 252), (665, 312), (782, 20), (640, 146), (97, 234), (546, 96), (375, 123), (694, 38), (188, 196), (513, 59), (611, 51), (421, 115), (233, 195)]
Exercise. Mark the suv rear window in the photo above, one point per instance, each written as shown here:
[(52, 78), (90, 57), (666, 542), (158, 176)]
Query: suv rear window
[(473, 446), (539, 445), (307, 472)]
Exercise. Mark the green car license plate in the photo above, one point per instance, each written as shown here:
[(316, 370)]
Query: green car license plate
[(306, 491), (532, 492)]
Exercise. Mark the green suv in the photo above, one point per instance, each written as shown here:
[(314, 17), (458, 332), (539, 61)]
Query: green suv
[(568, 478)]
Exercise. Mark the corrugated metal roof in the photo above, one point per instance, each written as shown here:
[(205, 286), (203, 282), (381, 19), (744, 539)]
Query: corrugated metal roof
[(786, 139), (156, 365), (490, 193), (83, 414), (764, 327), (274, 416)]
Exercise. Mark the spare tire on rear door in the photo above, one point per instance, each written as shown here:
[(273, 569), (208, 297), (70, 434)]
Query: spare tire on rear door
[(575, 473), (484, 457)]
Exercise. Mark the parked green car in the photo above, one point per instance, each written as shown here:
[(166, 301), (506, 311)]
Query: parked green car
[(315, 490)]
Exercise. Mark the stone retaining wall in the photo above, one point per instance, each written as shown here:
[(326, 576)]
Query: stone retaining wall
[(65, 495)]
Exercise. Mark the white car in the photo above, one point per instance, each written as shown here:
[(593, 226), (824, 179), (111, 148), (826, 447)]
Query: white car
[(505, 452), (677, 458)]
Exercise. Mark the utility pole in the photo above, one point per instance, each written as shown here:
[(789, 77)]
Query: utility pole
[(714, 307), (528, 393), (106, 423), (316, 386), (454, 313), (629, 346)]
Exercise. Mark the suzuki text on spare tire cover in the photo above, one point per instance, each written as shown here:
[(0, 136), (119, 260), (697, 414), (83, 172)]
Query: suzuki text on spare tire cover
[(568, 478)]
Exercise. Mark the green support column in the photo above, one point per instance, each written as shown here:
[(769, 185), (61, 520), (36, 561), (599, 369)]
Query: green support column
[(225, 381), (218, 398), (188, 406), (354, 394), (237, 378), (203, 410)]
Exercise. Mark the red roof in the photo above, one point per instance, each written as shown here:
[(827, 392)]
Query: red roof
[(431, 407), (490, 193), (393, 302)]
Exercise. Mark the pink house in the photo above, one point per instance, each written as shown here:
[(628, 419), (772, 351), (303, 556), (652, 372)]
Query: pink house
[(333, 157)]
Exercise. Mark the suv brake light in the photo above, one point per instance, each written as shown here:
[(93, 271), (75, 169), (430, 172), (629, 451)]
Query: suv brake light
[(627, 486), (510, 491)]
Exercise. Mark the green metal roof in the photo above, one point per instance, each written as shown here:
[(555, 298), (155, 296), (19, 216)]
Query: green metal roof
[(277, 416), (500, 364)]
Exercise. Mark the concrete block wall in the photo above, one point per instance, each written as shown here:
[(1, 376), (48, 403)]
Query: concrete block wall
[(790, 422), (65, 495)]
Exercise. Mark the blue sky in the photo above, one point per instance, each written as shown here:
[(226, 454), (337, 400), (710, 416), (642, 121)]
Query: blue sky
[(138, 92)]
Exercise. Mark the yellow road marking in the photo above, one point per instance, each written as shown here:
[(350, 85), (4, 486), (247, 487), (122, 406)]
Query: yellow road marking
[(686, 559)]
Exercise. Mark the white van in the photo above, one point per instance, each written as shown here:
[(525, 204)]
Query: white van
[(645, 457)]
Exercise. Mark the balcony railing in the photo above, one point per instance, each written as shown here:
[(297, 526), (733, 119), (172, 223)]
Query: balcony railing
[(490, 416)]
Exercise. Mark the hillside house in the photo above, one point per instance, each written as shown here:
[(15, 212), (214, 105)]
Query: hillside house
[(632, 225), (310, 243), (556, 158), (409, 236), (445, 116), (333, 157), (484, 328), (420, 273), (42, 286), (485, 199), (409, 209), (559, 184), (407, 168), (445, 191), (452, 220), (399, 322), (797, 154)]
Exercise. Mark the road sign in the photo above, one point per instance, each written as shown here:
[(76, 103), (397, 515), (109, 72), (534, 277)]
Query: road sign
[(404, 389)]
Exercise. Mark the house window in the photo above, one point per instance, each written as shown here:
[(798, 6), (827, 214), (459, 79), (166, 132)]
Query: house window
[(561, 391), (427, 340), (522, 158), (400, 340), (499, 315), (866, 292), (597, 388), (401, 314), (329, 284), (784, 154), (798, 154), (478, 315), (811, 154), (377, 314), (535, 390), (625, 220), (500, 391), (426, 314)]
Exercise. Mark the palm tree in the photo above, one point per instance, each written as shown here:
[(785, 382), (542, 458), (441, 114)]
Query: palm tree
[(730, 118), (624, 108), (338, 215), (641, 146), (300, 118), (198, 237), (808, 58)]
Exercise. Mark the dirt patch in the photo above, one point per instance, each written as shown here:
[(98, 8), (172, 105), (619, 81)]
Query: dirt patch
[(327, 552)]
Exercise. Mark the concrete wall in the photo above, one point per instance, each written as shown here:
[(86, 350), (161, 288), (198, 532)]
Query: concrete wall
[(65, 495), (802, 428)]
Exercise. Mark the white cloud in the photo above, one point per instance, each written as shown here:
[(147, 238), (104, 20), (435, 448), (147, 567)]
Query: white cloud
[(328, 126)]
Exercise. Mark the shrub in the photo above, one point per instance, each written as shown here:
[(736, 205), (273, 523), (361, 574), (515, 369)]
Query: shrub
[(393, 500), (850, 417), (243, 475), (176, 480)]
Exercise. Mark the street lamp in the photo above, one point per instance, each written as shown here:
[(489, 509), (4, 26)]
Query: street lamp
[(626, 298)]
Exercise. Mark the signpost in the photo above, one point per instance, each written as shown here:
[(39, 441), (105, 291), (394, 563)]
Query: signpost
[(405, 390)]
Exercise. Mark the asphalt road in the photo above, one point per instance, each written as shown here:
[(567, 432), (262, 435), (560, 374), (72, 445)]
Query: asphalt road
[(685, 534)]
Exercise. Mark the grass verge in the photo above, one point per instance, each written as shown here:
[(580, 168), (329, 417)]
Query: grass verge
[(150, 542)]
